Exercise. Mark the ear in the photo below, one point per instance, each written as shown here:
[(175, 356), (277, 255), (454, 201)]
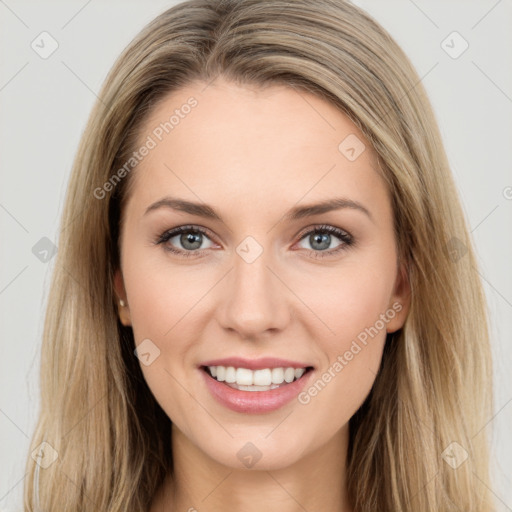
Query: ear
[(123, 311), (400, 301)]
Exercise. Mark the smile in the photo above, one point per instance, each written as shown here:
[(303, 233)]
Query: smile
[(255, 391)]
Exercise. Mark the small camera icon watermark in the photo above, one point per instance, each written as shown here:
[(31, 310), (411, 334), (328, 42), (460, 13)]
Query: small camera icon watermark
[(454, 45), (44, 45), (455, 249), (249, 249), (454, 455), (351, 147), (44, 250), (249, 455), (44, 455), (147, 352)]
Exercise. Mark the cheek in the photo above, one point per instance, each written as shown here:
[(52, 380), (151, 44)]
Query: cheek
[(349, 301), (356, 311), (165, 307), (341, 388), (353, 305), (161, 295)]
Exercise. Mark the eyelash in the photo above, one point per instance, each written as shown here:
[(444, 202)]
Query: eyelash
[(346, 239)]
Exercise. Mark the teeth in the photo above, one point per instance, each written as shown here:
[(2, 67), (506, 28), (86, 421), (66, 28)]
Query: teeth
[(289, 374), (221, 373), (244, 377), (230, 376), (277, 375), (299, 372), (267, 378)]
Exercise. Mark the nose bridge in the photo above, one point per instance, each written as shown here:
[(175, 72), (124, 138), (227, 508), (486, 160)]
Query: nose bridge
[(255, 300)]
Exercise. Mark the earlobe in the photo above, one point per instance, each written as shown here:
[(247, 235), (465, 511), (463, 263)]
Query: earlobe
[(122, 303), (400, 302)]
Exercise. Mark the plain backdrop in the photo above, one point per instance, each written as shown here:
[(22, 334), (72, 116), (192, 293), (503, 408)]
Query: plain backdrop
[(44, 105)]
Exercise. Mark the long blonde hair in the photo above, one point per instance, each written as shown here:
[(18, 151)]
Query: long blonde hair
[(434, 385)]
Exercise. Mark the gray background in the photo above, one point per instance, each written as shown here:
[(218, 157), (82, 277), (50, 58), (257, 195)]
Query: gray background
[(44, 106)]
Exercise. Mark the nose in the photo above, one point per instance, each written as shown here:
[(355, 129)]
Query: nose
[(255, 300)]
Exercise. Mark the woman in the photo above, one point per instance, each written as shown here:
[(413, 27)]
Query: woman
[(265, 293)]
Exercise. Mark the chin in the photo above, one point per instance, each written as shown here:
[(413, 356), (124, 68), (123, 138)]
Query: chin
[(254, 453)]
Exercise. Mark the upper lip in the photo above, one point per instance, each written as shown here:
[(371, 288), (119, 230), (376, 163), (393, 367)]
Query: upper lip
[(255, 364)]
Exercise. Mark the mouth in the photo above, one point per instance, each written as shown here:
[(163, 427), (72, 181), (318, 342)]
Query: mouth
[(264, 379)]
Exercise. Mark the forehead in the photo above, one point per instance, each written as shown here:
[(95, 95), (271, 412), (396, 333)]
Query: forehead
[(249, 147)]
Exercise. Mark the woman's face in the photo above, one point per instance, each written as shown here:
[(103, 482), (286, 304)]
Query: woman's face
[(257, 281)]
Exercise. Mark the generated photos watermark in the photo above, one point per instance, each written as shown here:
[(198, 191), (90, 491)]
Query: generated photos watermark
[(157, 135), (344, 359)]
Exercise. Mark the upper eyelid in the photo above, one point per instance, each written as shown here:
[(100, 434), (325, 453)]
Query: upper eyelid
[(323, 227)]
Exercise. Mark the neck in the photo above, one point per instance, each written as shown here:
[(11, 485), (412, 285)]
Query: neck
[(316, 481)]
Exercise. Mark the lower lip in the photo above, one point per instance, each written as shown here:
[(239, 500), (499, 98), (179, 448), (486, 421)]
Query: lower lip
[(254, 402)]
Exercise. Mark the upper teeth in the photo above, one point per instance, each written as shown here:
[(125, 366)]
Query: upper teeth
[(264, 377)]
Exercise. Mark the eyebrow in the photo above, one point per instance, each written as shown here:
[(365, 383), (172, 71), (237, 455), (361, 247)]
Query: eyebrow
[(295, 213)]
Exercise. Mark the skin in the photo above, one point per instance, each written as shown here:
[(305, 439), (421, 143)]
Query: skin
[(253, 154)]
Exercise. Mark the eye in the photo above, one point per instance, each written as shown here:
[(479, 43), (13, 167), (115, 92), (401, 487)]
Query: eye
[(321, 237), (189, 237)]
